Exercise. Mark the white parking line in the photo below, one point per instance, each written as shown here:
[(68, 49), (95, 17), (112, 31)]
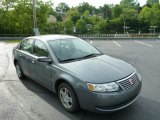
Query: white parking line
[(144, 43), (117, 44)]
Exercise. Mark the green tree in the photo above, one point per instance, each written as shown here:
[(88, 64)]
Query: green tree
[(129, 3), (86, 6), (156, 15), (61, 11), (129, 14), (101, 27), (73, 15), (23, 19), (17, 16), (59, 17), (117, 11), (94, 19), (6, 16), (54, 28), (8, 4), (43, 12), (105, 11), (62, 8), (146, 14), (152, 2), (68, 26), (81, 26), (150, 15), (86, 17), (115, 26)]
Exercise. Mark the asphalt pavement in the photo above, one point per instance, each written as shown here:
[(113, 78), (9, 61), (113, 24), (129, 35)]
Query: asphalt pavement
[(27, 100)]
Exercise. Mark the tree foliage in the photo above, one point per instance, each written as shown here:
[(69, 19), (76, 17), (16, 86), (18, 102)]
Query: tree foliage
[(105, 11), (73, 15), (129, 3), (16, 17), (62, 8), (152, 2), (68, 26), (86, 6), (81, 27)]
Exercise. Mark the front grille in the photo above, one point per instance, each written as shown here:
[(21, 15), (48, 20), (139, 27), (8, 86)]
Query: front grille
[(129, 82)]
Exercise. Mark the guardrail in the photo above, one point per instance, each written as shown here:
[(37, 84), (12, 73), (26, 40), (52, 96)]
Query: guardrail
[(119, 35), (93, 36)]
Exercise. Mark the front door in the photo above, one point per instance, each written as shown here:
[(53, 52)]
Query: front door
[(41, 71)]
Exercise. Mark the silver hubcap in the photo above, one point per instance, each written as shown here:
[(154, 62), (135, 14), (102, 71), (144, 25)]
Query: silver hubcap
[(65, 97), (18, 70)]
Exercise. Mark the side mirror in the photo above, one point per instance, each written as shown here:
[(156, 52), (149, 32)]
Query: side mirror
[(44, 59)]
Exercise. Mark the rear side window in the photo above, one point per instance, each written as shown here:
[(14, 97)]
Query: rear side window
[(40, 49), (26, 45)]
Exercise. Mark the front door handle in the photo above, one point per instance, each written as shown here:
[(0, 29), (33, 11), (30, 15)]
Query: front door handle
[(33, 61)]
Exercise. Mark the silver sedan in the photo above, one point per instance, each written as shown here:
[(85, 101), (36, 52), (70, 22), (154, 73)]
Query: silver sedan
[(81, 75)]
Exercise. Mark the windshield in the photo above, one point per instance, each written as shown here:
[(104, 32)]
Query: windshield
[(72, 49)]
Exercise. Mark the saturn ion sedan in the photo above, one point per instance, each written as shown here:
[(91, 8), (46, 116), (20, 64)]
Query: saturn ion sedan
[(81, 75)]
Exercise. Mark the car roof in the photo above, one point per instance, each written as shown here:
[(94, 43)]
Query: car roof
[(51, 37)]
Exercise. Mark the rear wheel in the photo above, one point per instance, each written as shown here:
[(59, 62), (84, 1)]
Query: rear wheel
[(68, 98), (19, 71)]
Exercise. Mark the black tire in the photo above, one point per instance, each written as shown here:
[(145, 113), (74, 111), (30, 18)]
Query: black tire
[(19, 71), (74, 106)]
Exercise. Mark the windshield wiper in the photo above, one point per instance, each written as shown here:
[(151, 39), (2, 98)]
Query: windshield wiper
[(87, 56), (68, 60), (92, 55)]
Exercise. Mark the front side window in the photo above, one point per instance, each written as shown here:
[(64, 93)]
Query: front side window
[(72, 49), (26, 45), (40, 49)]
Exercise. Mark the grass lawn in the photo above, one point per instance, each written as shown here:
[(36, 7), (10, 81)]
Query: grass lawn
[(11, 41)]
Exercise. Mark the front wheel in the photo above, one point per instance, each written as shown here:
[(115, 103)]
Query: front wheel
[(68, 98), (19, 71)]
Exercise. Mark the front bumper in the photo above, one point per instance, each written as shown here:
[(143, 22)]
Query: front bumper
[(109, 102), (116, 107)]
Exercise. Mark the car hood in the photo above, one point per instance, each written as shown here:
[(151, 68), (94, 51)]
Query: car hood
[(100, 69)]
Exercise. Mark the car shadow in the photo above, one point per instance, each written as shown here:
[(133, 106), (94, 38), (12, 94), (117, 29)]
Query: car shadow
[(142, 109)]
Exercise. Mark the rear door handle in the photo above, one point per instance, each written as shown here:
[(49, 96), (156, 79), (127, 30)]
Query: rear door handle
[(47, 67)]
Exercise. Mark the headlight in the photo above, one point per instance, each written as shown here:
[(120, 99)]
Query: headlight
[(108, 87)]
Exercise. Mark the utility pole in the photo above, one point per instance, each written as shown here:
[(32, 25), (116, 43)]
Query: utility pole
[(124, 27), (36, 30)]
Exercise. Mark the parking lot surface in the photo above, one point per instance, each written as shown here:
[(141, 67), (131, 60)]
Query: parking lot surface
[(27, 100)]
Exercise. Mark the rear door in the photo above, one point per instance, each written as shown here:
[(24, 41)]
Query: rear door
[(25, 54), (41, 71)]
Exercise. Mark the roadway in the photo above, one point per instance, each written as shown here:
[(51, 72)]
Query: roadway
[(28, 100)]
